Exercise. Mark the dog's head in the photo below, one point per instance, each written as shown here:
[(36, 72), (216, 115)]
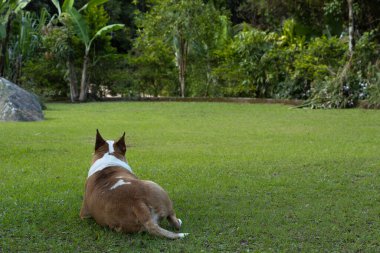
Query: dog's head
[(115, 148)]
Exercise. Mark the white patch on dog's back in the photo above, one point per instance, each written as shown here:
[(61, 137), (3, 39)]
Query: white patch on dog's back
[(119, 183), (110, 147)]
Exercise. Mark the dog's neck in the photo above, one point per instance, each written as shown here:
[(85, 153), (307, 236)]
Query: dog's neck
[(108, 160)]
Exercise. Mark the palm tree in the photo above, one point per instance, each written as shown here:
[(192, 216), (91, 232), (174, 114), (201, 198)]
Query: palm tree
[(69, 16)]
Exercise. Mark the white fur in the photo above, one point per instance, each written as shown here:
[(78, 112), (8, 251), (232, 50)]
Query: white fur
[(180, 222), (107, 161), (110, 147), (119, 183), (155, 217), (182, 235)]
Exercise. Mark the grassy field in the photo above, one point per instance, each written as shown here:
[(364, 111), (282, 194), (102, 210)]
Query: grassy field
[(257, 178)]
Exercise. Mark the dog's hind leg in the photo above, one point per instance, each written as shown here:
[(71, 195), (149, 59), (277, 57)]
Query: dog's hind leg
[(84, 213), (174, 221), (143, 215)]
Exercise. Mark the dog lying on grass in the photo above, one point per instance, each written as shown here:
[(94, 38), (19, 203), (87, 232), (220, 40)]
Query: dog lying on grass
[(116, 198)]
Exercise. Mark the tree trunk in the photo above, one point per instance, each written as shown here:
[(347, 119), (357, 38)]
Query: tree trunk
[(83, 83), (351, 40), (15, 76), (156, 85), (73, 82), (181, 61), (4, 45), (208, 78)]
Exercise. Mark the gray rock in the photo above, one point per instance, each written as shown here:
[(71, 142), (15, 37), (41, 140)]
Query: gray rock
[(16, 104)]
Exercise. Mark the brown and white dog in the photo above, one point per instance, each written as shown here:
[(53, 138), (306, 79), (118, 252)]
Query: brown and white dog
[(116, 198)]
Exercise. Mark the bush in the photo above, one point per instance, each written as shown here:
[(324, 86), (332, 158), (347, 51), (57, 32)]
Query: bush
[(296, 63), (373, 84), (242, 69), (45, 78), (357, 79)]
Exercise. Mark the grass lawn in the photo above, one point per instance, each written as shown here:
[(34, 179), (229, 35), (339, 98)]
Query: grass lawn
[(258, 178)]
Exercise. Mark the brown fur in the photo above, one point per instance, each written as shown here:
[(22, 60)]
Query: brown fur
[(133, 207)]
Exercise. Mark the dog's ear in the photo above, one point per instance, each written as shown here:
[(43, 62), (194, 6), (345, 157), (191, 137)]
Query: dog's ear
[(121, 144), (99, 140)]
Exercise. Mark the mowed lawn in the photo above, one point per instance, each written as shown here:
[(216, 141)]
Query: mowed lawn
[(242, 177)]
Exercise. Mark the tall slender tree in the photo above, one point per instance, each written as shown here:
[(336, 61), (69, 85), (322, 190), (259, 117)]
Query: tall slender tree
[(351, 40)]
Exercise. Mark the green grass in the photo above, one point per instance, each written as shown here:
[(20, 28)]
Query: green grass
[(258, 178)]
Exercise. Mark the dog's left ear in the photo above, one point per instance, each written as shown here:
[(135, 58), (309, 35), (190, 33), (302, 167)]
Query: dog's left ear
[(121, 144), (99, 140)]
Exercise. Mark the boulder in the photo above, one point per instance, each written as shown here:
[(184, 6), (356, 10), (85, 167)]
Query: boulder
[(16, 104)]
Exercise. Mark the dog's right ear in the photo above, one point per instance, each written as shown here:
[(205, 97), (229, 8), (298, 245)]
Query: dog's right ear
[(99, 140), (121, 144)]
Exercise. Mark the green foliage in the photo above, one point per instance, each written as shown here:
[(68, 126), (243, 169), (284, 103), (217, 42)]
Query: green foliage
[(186, 28), (96, 18), (56, 43), (153, 66), (93, 4), (373, 84), (80, 25), (269, 15), (333, 13), (49, 84), (280, 61), (329, 93), (109, 76), (367, 51), (25, 42), (263, 64), (241, 62), (203, 53), (321, 58), (290, 49), (292, 35), (298, 64), (354, 81), (366, 68), (7, 8)]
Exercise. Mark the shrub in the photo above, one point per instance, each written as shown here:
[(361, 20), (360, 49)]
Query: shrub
[(357, 79), (45, 78), (242, 70), (373, 84)]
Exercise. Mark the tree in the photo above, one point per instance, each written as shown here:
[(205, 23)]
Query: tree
[(153, 65), (180, 23), (72, 18), (351, 41)]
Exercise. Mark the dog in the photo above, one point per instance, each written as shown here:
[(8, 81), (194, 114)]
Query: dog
[(116, 198)]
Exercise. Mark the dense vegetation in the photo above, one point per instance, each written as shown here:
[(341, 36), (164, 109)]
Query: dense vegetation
[(323, 51)]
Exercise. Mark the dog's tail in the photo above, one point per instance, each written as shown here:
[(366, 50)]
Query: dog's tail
[(142, 213)]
